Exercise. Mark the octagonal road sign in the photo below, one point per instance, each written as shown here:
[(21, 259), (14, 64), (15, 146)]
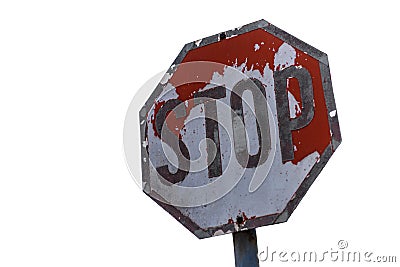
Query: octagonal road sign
[(238, 129)]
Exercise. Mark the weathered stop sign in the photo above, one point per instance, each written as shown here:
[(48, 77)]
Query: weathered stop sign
[(238, 129)]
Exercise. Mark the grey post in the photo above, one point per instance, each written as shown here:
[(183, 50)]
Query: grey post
[(245, 246)]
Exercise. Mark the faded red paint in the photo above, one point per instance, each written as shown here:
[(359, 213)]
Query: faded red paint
[(239, 49)]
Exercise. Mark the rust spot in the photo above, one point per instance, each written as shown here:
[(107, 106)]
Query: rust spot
[(239, 219), (244, 217)]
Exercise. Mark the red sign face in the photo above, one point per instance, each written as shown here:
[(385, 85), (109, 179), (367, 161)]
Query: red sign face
[(238, 130)]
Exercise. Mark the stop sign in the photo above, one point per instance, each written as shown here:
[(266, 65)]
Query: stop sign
[(238, 129)]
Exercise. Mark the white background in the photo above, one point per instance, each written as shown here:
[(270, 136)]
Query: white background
[(68, 71)]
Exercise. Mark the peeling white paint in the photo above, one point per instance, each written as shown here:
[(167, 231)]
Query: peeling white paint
[(284, 57), (332, 113), (294, 106), (256, 47), (169, 92)]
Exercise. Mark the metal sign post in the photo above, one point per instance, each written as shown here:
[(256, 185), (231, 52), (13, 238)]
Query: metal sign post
[(245, 246), (236, 132)]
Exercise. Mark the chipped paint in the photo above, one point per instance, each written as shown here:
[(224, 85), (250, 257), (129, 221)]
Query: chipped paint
[(284, 57), (256, 47), (294, 106), (197, 43)]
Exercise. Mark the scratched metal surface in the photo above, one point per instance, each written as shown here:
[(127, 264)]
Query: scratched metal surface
[(263, 52)]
